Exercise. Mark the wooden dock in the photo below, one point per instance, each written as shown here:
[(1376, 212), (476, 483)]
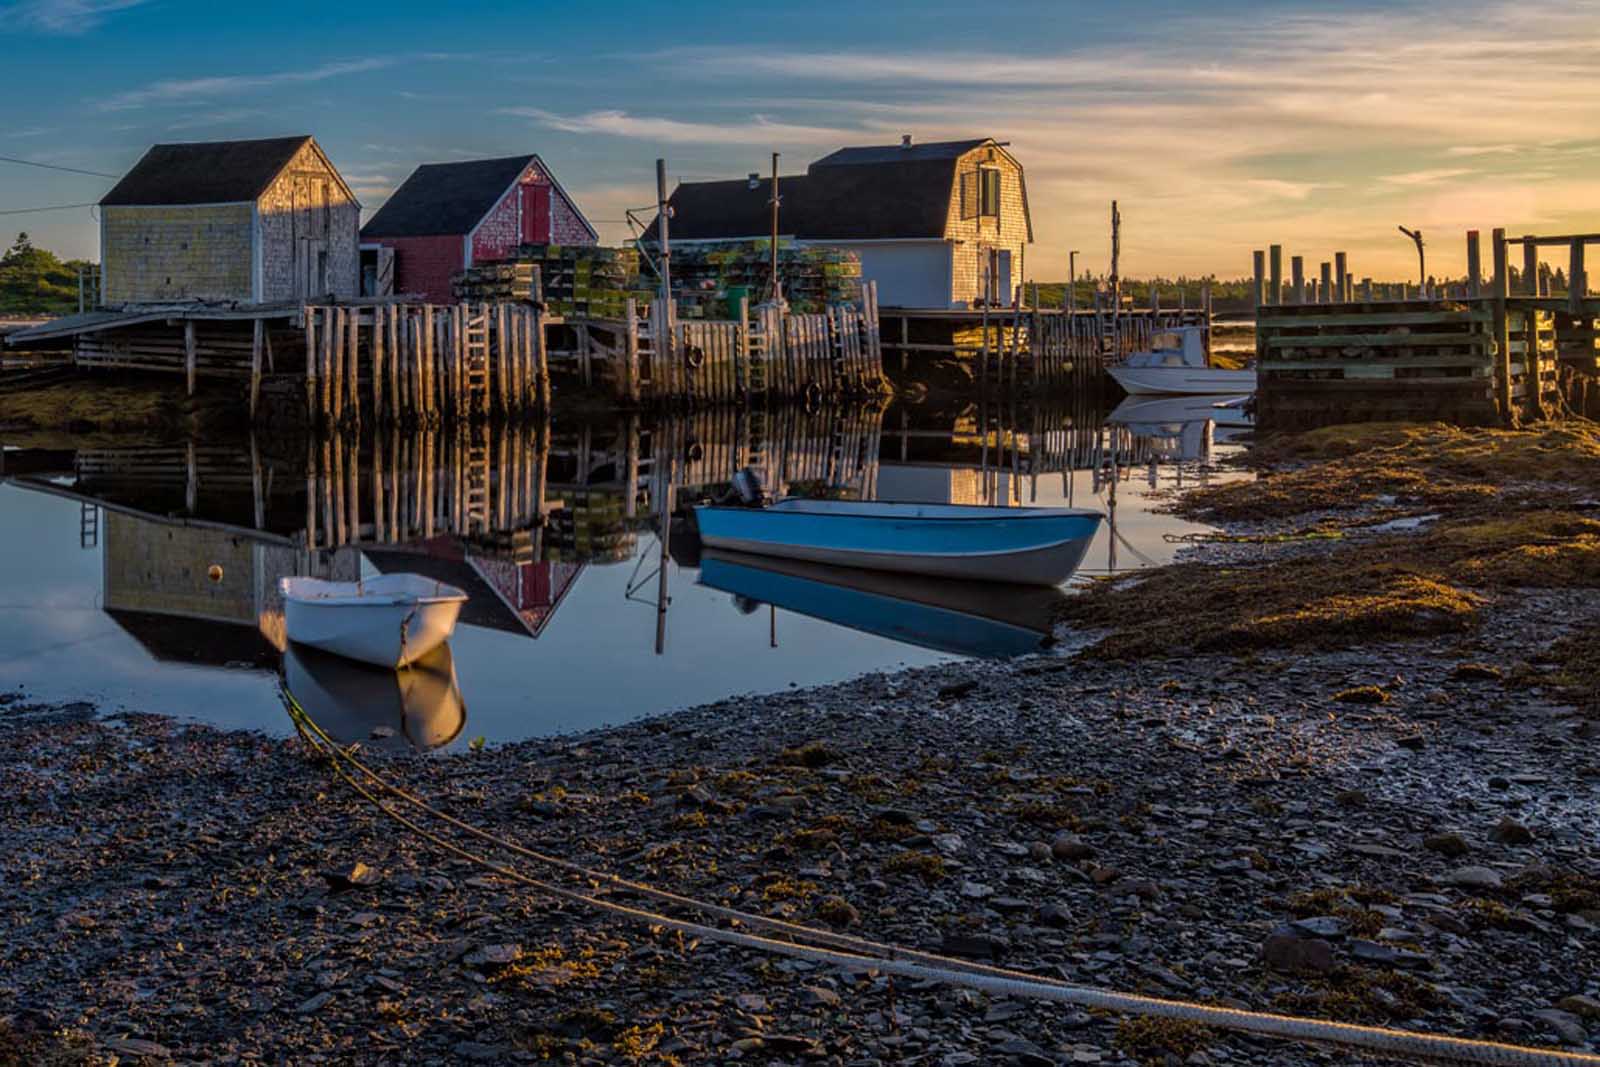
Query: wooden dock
[(1475, 353)]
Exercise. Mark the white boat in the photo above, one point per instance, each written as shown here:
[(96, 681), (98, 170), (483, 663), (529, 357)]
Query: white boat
[(1028, 546), (1176, 363), (388, 621)]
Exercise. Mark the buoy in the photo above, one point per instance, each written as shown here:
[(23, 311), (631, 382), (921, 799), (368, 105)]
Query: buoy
[(215, 573)]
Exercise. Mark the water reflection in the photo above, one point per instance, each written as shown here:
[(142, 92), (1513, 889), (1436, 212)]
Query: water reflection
[(552, 530)]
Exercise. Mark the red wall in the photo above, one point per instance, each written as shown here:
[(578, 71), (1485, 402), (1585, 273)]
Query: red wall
[(423, 265)]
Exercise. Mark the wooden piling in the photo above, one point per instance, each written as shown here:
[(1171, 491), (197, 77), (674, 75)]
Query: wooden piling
[(1530, 265), (190, 354), (1341, 271), (1325, 286), (1502, 327), (1577, 278), (1260, 257), (258, 333), (308, 318), (353, 358), (1275, 288), (1297, 274)]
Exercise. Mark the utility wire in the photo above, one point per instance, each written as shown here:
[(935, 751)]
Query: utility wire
[(36, 210), (53, 166)]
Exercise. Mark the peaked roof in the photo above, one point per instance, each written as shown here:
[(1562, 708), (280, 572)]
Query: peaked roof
[(209, 172), (445, 199), (880, 192)]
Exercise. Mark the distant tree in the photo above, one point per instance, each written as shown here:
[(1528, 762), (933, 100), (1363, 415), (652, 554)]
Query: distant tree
[(35, 281)]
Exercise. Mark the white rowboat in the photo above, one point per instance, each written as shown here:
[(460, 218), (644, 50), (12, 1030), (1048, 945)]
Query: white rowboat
[(1028, 546), (388, 621)]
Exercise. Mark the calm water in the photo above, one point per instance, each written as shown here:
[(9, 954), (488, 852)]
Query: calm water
[(143, 577)]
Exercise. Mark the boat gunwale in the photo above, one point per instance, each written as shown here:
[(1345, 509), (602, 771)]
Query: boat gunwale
[(1004, 514)]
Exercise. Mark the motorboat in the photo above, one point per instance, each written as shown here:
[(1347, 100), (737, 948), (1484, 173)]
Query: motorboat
[(1024, 545), (949, 615), (353, 701), (388, 621), (1176, 363)]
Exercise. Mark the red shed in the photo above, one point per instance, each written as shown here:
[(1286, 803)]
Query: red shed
[(448, 216)]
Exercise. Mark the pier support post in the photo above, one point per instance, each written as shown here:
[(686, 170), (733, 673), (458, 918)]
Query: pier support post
[(1325, 286), (1530, 265), (1474, 265), (259, 331), (1275, 288), (1260, 258), (1341, 273), (1502, 328), (1577, 279), (189, 353), (1297, 274)]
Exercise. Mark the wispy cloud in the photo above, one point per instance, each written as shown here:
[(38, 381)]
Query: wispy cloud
[(757, 130), (1286, 189), (173, 91), (70, 17), (1425, 177), (1482, 149), (202, 119)]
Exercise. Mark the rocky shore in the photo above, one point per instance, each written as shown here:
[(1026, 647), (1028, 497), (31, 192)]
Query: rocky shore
[(1400, 831)]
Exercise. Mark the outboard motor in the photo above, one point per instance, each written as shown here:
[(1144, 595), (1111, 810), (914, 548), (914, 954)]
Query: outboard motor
[(747, 483)]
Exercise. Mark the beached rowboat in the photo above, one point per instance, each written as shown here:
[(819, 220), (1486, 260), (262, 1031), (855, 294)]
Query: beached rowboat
[(388, 621), (1029, 546)]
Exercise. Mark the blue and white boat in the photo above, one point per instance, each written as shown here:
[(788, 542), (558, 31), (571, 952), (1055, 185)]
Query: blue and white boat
[(1028, 546)]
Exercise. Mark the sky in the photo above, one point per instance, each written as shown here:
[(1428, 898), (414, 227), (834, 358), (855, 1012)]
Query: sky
[(1220, 128)]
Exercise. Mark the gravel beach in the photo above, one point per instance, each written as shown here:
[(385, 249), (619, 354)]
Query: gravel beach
[(1402, 833)]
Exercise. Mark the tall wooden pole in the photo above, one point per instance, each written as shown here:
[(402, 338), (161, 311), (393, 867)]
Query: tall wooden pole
[(665, 343), (1474, 264), (1275, 282), (1502, 328), (777, 288)]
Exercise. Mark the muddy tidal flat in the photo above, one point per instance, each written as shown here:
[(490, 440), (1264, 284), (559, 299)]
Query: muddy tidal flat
[(1398, 827)]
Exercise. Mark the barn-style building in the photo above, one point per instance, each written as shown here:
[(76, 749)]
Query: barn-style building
[(448, 216), (930, 222), (262, 222)]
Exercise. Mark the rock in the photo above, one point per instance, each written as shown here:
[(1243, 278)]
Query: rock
[(1447, 844), (136, 1047), (1288, 952), (1564, 1025), (1039, 852), (794, 1045), (314, 1004), (949, 844), (1055, 915), (1414, 742), (1373, 952), (956, 689), (381, 733), (814, 996), (974, 946), (1025, 1052), (478, 1052), (1499, 782), (1331, 927), (1351, 798), (1069, 846), (489, 957), (1477, 672), (754, 1003), (1511, 832), (1010, 905), (1475, 878), (357, 874), (976, 891), (1584, 1007)]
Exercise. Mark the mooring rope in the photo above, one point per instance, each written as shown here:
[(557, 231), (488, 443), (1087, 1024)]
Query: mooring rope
[(909, 963)]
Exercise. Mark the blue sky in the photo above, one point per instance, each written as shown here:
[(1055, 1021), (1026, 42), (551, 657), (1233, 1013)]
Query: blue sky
[(1219, 127)]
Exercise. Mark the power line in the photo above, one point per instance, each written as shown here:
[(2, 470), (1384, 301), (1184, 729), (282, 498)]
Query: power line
[(36, 210), (52, 166)]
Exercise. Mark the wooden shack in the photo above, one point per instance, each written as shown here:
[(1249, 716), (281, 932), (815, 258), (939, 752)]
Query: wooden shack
[(937, 225), (449, 216), (250, 221)]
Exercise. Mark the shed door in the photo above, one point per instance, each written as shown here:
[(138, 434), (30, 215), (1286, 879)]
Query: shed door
[(536, 214)]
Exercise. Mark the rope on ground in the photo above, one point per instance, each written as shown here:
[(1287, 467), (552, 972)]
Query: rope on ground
[(1251, 539), (908, 963)]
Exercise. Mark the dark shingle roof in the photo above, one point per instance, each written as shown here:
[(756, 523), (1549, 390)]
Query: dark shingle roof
[(894, 153), (445, 198), (212, 172), (869, 202)]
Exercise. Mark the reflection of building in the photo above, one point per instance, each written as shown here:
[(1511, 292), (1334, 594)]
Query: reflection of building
[(157, 584), (502, 594), (533, 590)]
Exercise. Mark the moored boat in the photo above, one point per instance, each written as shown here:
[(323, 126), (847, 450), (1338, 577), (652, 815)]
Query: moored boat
[(388, 621), (1027, 546), (1176, 364)]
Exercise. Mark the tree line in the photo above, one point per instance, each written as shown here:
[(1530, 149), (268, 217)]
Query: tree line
[(36, 281)]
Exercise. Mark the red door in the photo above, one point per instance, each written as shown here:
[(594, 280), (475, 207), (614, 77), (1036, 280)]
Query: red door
[(536, 214)]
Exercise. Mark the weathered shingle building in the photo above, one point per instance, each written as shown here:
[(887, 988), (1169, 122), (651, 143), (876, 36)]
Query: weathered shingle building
[(448, 216), (256, 221), (928, 221)]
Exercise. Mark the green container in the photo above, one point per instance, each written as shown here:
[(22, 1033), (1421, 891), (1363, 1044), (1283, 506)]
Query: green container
[(736, 293)]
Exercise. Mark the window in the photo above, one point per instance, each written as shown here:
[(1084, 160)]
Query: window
[(989, 192)]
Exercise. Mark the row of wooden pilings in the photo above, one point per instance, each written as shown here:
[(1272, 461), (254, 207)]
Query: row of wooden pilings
[(424, 362)]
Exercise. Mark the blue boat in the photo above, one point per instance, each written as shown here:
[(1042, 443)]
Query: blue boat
[(1028, 546), (964, 618)]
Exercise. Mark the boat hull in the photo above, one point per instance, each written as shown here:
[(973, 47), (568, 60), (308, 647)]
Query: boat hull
[(1020, 546), (1176, 381), (382, 622), (1151, 410)]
